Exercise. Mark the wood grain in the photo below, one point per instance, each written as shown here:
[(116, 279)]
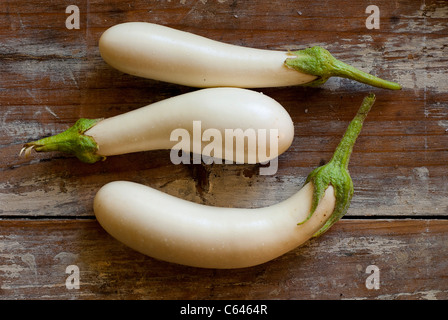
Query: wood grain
[(410, 255), (51, 76)]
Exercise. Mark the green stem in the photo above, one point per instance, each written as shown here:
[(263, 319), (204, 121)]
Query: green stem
[(72, 141), (345, 147), (335, 172), (320, 63)]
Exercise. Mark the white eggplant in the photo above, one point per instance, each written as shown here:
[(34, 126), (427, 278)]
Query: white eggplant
[(161, 53), (218, 110), (179, 231)]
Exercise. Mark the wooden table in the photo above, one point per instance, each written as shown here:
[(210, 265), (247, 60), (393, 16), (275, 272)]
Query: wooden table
[(397, 225)]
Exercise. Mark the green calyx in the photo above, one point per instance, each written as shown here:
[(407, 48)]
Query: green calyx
[(72, 141), (336, 172), (320, 63)]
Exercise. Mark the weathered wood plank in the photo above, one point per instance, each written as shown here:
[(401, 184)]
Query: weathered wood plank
[(62, 186), (36, 106), (410, 256), (50, 76)]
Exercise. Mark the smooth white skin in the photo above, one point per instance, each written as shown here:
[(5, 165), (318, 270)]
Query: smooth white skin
[(150, 127), (165, 54), (183, 232)]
